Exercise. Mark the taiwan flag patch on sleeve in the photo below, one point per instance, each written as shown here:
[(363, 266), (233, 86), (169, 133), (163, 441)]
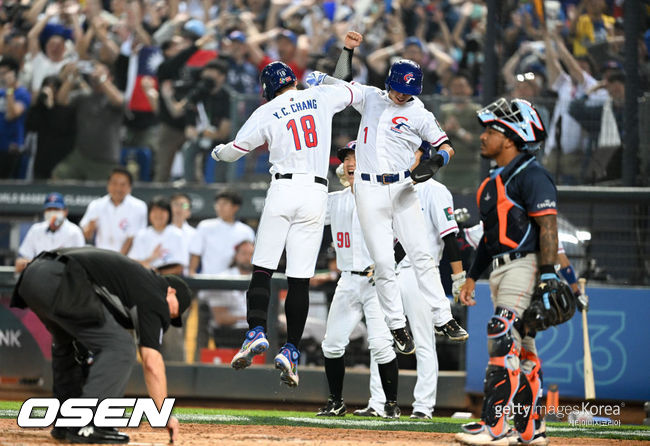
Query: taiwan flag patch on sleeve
[(449, 213)]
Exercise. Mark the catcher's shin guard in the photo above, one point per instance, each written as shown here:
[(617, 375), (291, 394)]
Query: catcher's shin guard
[(525, 400), (502, 374)]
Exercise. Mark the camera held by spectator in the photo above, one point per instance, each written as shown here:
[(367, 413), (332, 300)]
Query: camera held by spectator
[(203, 88), (207, 114)]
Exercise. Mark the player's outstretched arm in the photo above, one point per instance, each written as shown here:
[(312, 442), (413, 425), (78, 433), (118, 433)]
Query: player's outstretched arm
[(227, 152)]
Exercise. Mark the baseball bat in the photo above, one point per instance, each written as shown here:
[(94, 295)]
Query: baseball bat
[(590, 386)]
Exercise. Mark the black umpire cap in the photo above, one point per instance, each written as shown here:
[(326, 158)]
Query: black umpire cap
[(344, 151), (183, 295)]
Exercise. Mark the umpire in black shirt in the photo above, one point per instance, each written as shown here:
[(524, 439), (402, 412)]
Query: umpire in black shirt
[(88, 298)]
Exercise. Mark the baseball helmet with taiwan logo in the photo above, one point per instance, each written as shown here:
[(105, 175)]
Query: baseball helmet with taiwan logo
[(275, 76), (405, 76)]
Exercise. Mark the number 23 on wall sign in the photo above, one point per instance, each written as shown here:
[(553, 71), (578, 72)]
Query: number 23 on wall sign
[(308, 129)]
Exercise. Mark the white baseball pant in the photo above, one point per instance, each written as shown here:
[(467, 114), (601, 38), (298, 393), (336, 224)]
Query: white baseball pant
[(385, 211), (355, 297), (293, 217), (422, 319)]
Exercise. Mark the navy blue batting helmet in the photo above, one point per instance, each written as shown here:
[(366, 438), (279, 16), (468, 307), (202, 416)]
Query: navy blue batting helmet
[(405, 76), (274, 77)]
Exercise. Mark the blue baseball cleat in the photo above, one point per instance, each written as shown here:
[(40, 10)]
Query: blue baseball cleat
[(254, 344), (287, 362)]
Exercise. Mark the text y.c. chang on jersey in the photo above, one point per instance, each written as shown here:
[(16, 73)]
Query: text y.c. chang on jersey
[(295, 108)]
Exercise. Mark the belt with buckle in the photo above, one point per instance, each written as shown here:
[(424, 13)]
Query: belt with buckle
[(358, 273), (288, 176), (507, 258), (385, 178)]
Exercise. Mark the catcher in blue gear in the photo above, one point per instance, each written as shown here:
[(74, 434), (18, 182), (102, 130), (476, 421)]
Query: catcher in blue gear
[(518, 207)]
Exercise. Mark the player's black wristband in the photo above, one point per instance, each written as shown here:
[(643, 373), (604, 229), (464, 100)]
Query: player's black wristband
[(547, 269)]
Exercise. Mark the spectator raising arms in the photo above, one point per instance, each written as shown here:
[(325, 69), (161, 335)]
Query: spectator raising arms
[(98, 106), (14, 101), (53, 124)]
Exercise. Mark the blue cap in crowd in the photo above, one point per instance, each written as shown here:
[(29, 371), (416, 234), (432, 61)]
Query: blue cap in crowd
[(287, 34), (54, 200), (237, 36), (413, 41), (195, 27), (53, 29)]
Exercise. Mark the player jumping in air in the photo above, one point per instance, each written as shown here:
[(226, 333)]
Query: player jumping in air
[(297, 125), (393, 125)]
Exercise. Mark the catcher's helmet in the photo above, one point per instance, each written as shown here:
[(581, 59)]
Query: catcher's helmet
[(518, 120), (274, 77), (343, 151), (405, 76), (549, 307)]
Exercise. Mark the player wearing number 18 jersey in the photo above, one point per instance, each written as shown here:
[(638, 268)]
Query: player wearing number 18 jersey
[(297, 125)]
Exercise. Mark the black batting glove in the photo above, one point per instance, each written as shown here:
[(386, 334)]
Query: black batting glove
[(581, 301), (427, 168)]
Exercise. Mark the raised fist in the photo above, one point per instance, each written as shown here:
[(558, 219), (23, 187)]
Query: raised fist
[(352, 40)]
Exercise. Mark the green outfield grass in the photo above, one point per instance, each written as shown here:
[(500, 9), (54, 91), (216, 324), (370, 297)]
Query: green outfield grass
[(9, 409)]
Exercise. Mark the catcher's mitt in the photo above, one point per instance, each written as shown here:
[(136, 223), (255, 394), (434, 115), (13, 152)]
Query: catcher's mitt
[(552, 304)]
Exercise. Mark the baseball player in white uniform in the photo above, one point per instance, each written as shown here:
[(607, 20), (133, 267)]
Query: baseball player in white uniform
[(354, 298), (438, 208), (115, 218), (55, 231), (297, 125), (394, 123)]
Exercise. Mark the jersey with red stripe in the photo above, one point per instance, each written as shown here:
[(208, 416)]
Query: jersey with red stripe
[(510, 199), (389, 134), (438, 207), (298, 128)]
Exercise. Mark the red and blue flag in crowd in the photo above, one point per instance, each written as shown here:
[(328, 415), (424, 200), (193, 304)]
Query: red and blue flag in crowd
[(149, 57)]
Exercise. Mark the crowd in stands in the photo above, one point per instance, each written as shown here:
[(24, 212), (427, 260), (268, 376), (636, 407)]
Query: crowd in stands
[(82, 80)]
